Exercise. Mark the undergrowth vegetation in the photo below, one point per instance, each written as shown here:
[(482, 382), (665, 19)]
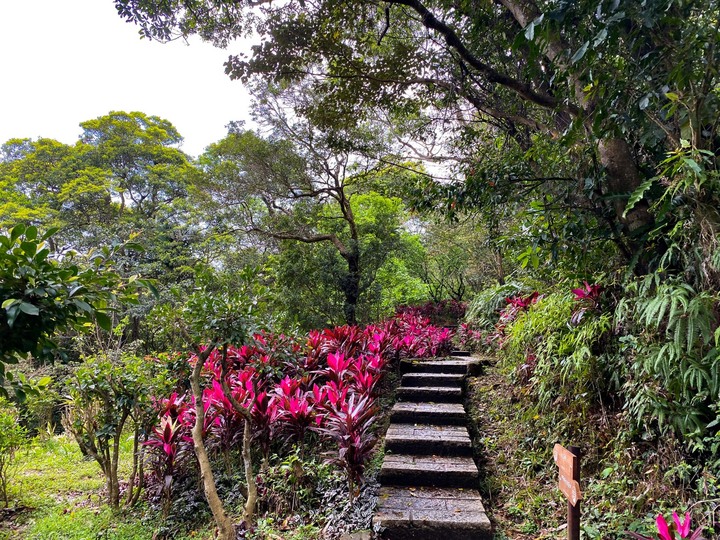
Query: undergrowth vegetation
[(290, 425), (633, 382)]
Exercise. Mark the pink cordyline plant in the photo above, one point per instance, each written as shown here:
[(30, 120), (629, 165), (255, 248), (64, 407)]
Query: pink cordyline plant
[(588, 297), (327, 385), (588, 292), (515, 305), (667, 531)]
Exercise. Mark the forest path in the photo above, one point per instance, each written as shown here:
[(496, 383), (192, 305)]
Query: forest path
[(428, 477)]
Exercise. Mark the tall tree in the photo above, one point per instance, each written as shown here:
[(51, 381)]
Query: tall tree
[(311, 280), (140, 153), (298, 185), (617, 85)]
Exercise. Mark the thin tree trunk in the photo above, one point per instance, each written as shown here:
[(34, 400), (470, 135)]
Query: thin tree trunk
[(226, 528), (250, 492), (141, 476), (251, 499), (133, 474), (351, 287)]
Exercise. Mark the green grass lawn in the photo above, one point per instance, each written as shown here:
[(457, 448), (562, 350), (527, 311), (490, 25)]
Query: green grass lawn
[(65, 496)]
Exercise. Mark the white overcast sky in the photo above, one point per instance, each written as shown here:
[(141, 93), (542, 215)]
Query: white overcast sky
[(66, 61)]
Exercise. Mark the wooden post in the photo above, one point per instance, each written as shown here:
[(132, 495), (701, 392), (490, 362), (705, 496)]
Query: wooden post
[(574, 509), (568, 462)]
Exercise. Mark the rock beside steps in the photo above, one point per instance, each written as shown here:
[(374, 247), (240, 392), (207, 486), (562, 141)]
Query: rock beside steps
[(428, 478)]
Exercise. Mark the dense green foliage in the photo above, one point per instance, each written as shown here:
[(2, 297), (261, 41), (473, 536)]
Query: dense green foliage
[(12, 438), (42, 293), (406, 150)]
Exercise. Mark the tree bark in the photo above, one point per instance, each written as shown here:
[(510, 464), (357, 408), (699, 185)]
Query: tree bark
[(623, 179), (251, 499), (250, 492), (226, 528), (135, 466), (351, 286)]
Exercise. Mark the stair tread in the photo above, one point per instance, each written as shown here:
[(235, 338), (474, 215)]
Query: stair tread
[(439, 389), (444, 378), (430, 393), (441, 505), (454, 364), (423, 407), (422, 374), (450, 361), (404, 412), (427, 432), (439, 464)]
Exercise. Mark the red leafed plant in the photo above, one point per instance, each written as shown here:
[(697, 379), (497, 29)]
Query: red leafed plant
[(667, 532), (169, 443), (588, 292), (349, 423), (295, 410), (281, 388), (515, 306), (589, 297)]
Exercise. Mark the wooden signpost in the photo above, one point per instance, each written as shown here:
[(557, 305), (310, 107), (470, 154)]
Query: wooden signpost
[(568, 462)]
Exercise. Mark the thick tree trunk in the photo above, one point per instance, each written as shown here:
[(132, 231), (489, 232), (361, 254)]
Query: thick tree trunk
[(226, 528), (623, 179)]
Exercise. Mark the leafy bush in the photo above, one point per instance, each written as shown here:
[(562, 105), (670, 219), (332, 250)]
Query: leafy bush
[(107, 394), (12, 437), (670, 342), (39, 295), (484, 309), (562, 357)]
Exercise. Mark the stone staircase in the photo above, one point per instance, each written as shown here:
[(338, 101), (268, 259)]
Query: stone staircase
[(428, 479)]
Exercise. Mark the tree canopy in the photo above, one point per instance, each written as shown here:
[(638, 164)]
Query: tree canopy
[(587, 97)]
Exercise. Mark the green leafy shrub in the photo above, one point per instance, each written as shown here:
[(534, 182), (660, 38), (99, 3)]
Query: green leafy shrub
[(12, 437), (110, 393), (670, 343), (565, 364), (484, 309)]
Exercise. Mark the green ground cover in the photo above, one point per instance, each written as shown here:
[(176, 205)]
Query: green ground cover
[(63, 497)]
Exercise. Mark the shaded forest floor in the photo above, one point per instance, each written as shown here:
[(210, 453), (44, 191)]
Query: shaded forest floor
[(520, 505), (625, 482)]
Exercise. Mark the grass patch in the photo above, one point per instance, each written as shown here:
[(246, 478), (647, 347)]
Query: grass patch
[(63, 497), (54, 471), (91, 523)]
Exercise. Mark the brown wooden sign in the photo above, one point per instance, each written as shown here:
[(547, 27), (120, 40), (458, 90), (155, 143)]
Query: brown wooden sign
[(568, 483), (568, 461)]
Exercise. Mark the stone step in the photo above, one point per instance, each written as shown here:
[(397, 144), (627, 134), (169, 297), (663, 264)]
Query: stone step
[(434, 394), (407, 513), (432, 379), (428, 413), (450, 365), (436, 471), (428, 440)]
